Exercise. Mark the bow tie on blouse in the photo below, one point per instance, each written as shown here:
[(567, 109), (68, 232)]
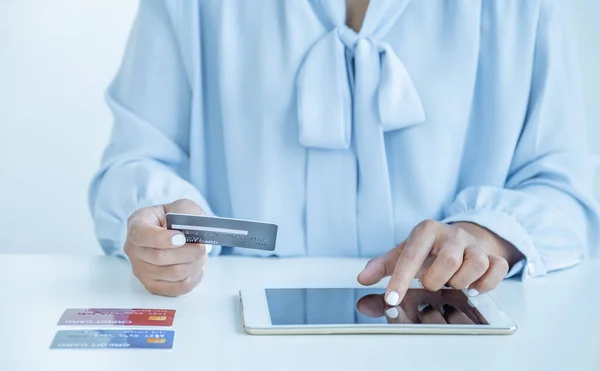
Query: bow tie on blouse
[(325, 91), (351, 89)]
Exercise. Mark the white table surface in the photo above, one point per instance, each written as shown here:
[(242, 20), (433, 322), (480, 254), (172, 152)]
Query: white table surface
[(558, 318)]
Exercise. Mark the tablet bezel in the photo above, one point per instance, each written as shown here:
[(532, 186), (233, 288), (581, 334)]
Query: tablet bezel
[(256, 319)]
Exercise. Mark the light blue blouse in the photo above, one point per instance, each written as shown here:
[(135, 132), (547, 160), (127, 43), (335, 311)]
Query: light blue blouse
[(276, 111)]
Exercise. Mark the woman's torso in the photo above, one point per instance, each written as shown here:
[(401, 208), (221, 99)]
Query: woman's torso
[(347, 141)]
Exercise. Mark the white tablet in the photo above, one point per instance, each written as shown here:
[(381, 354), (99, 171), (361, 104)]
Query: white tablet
[(364, 311)]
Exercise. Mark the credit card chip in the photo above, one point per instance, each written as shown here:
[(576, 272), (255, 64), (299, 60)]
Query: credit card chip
[(157, 318)]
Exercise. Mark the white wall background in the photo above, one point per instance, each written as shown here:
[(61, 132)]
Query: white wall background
[(56, 58)]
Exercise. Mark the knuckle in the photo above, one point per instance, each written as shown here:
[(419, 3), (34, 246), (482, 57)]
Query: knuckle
[(152, 287), (426, 226), (462, 235), (187, 285), (453, 231), (428, 284), (135, 233), (501, 264), (449, 259), (397, 281), (458, 233), (160, 257), (480, 262), (153, 290), (409, 256), (132, 216), (178, 272), (169, 291)]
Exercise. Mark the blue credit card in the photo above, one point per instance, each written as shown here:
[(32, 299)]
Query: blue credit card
[(113, 339), (219, 231)]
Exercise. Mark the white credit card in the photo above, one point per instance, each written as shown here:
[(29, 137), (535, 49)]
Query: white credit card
[(213, 230)]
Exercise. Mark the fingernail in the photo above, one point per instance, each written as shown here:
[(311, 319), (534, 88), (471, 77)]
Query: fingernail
[(423, 307), (472, 292), (446, 308), (392, 312), (208, 248), (178, 240), (392, 299)]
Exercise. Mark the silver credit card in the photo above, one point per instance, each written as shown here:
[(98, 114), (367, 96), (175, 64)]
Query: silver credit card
[(224, 231)]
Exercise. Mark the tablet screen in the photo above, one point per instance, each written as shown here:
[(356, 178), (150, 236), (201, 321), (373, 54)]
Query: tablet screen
[(367, 306)]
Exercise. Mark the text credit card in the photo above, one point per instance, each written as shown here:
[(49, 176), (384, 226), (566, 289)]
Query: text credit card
[(113, 339), (117, 317), (224, 231)]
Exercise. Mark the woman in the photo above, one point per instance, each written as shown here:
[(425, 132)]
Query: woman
[(444, 139)]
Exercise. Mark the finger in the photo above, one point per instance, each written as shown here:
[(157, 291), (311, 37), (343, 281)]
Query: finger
[(447, 262), (144, 230), (411, 258), (380, 267), (171, 273), (397, 315), (371, 305), (186, 254), (475, 264), (455, 316), (173, 289), (495, 274), (429, 315)]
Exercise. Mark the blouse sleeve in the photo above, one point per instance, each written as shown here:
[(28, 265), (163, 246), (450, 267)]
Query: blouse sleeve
[(547, 208)]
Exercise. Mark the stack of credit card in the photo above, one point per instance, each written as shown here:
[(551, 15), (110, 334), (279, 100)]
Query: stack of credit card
[(89, 337), (228, 232)]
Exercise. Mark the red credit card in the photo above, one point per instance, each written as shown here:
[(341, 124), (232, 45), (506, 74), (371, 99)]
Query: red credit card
[(117, 317)]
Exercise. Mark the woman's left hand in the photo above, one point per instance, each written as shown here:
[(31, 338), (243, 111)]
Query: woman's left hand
[(460, 255)]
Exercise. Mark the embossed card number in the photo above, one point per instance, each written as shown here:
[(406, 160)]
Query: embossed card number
[(224, 231)]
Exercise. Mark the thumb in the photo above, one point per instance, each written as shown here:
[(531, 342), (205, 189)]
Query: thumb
[(184, 206), (380, 267)]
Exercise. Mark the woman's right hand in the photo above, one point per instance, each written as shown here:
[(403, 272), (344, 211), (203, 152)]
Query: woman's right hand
[(160, 258)]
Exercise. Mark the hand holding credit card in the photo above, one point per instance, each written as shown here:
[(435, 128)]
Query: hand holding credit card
[(160, 258), (168, 261), (220, 231)]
